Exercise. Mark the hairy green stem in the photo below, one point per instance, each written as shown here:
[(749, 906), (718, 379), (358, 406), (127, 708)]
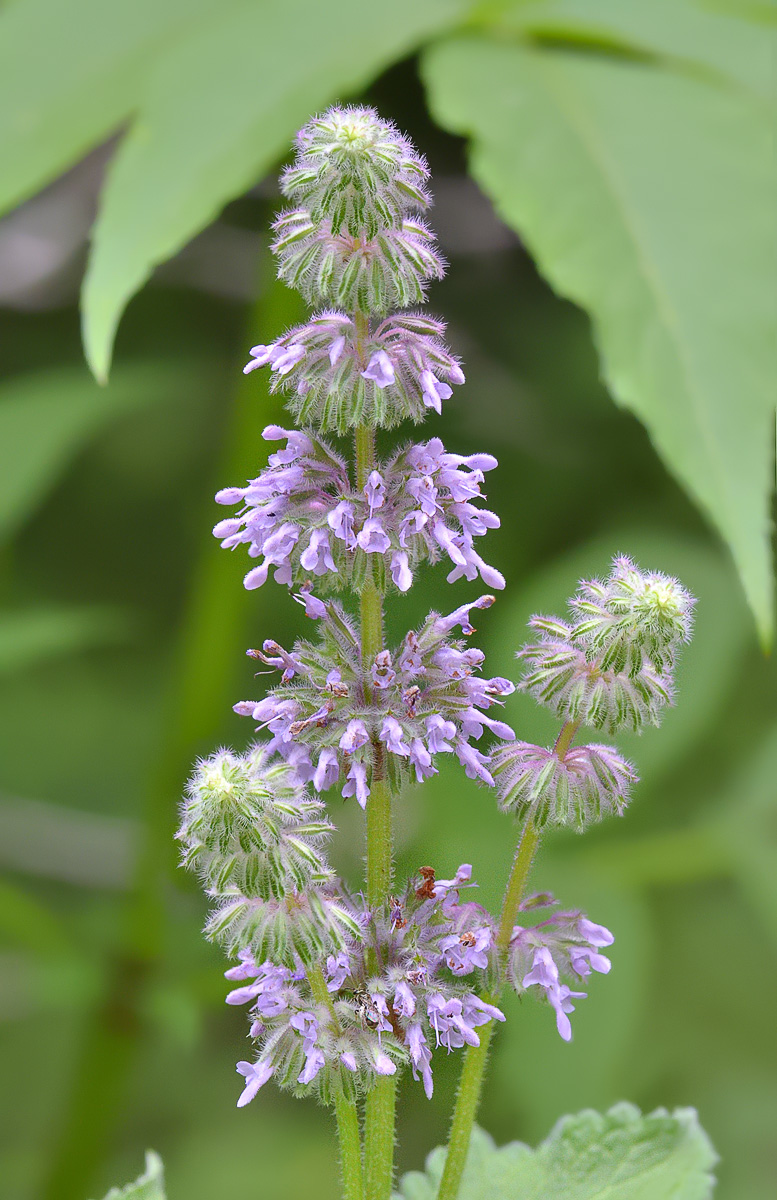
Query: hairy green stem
[(380, 1105), (474, 1069), (346, 1113), (379, 1119)]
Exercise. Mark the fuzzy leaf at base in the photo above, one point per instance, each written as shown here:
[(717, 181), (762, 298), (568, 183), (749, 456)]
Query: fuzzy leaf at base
[(619, 1156)]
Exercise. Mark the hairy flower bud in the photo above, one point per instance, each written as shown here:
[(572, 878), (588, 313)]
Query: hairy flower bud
[(583, 785), (357, 171), (299, 927), (612, 668), (632, 616), (249, 826)]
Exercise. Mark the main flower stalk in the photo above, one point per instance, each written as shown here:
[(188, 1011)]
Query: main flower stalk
[(347, 987)]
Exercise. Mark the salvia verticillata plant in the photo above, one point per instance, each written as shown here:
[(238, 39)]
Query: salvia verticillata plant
[(348, 988)]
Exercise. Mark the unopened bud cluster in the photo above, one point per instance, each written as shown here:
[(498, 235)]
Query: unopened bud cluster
[(255, 836), (611, 668)]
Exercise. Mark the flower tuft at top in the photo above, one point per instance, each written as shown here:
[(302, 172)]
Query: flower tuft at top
[(356, 170), (355, 247)]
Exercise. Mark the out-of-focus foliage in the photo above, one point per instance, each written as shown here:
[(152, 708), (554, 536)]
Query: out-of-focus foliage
[(619, 1156), (628, 144), (124, 625)]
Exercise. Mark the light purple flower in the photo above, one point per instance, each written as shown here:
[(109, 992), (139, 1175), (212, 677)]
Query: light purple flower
[(317, 557), (560, 998), (382, 673), (372, 537), (597, 935), (356, 784), (544, 970), (463, 953), (421, 760), (438, 732), (420, 1057), (355, 735), (434, 392), (256, 1076), (380, 369), (327, 770), (584, 959), (375, 490), (340, 520), (404, 1000), (392, 733), (400, 571)]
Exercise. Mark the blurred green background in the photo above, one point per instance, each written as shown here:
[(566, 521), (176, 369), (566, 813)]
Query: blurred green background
[(122, 636)]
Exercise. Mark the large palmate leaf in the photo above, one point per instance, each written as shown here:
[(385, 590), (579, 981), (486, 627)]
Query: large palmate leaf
[(619, 1156), (646, 195), (71, 73), (218, 111), (683, 31)]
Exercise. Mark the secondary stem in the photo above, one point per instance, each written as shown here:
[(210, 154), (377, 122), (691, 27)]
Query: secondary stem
[(380, 1105), (346, 1113), (474, 1068)]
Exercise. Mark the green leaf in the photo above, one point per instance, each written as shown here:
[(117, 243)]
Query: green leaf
[(148, 1186), (70, 74), (646, 196), (681, 31), (218, 112), (46, 418), (619, 1156), (39, 634)]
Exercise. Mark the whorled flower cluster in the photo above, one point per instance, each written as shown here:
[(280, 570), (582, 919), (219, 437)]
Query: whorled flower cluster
[(390, 270), (404, 708), (304, 517), (336, 374), (559, 951), (577, 788), (256, 838), (429, 945)]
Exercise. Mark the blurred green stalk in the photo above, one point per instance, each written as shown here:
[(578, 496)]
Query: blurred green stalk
[(213, 635)]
